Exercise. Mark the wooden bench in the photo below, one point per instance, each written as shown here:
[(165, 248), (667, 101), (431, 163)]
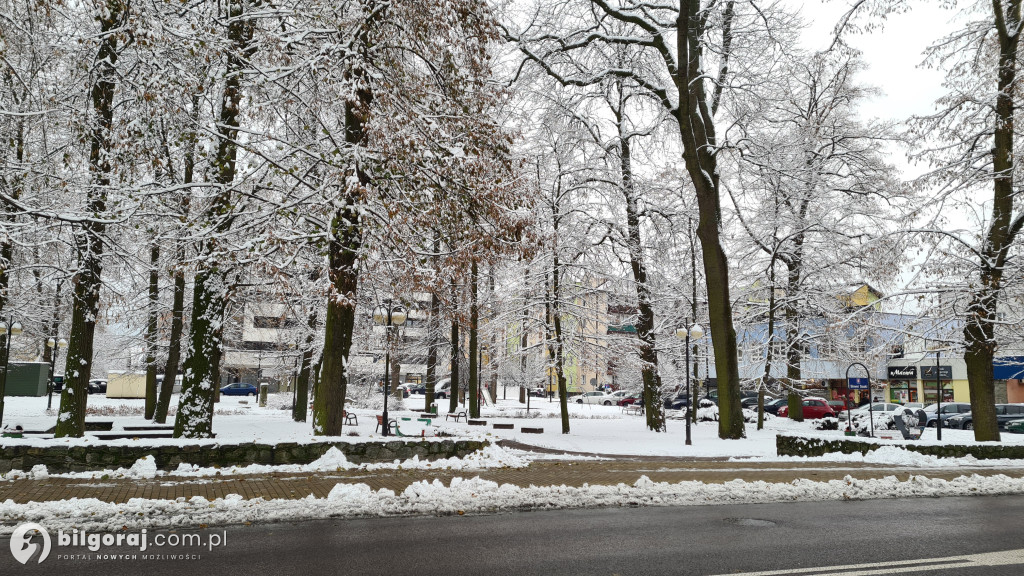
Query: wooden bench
[(380, 422), (508, 426), (455, 415), (526, 430), (477, 422), (633, 409)]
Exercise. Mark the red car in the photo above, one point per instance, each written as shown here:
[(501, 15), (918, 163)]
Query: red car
[(813, 408), (630, 400)]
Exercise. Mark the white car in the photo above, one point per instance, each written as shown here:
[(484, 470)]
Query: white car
[(596, 398)]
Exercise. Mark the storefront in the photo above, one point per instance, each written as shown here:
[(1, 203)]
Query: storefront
[(903, 384), (930, 383)]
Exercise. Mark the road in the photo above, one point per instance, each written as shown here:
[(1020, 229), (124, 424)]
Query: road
[(947, 536)]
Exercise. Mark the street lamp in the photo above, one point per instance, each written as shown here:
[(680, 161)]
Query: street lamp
[(695, 332), (8, 329), (388, 316), (55, 346), (938, 394)]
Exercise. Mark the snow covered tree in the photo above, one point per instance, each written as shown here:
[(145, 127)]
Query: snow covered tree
[(689, 50)]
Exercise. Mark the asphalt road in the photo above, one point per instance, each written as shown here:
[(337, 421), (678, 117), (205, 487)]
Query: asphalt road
[(947, 536)]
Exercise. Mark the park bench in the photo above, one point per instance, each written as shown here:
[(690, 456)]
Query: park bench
[(637, 410), (391, 423), (455, 415), (349, 418)]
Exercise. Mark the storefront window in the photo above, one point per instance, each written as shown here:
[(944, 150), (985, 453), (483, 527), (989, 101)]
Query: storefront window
[(930, 395), (903, 391)]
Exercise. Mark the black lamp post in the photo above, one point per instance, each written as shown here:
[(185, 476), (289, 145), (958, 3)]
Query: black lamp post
[(388, 316), (938, 397), (696, 332), (8, 329), (55, 347)]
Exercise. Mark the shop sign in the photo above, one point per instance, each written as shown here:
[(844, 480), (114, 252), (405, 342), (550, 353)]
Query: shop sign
[(903, 372)]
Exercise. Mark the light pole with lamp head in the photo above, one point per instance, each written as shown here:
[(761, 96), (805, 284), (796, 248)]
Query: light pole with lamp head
[(8, 329), (696, 332), (55, 347), (388, 316)]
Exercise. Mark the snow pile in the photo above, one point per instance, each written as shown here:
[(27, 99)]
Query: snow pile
[(475, 496), (491, 456), (334, 460)]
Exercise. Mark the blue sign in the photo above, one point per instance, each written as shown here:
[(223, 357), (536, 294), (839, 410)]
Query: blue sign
[(858, 383)]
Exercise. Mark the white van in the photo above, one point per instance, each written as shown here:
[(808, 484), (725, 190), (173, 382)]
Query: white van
[(443, 388)]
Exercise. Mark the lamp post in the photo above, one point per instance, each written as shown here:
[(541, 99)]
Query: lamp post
[(8, 329), (938, 397), (388, 316), (696, 332), (55, 347)]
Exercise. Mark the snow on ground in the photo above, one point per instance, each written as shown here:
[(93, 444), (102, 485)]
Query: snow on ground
[(594, 430), (473, 496)]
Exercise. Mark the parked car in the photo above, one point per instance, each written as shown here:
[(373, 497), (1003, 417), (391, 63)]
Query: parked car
[(239, 389), (596, 397), (813, 408), (839, 407), (751, 401), (97, 386), (877, 408), (634, 398), (1005, 413), (537, 392), (774, 406), (677, 402), (1015, 426), (948, 411), (58, 383)]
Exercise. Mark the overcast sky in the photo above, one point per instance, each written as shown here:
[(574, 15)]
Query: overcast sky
[(893, 55)]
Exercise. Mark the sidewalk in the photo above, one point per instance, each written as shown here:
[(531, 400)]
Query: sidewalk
[(625, 470)]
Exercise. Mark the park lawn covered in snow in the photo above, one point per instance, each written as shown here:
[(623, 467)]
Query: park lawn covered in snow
[(593, 429)]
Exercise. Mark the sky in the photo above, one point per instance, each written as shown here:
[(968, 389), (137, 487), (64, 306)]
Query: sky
[(893, 54)]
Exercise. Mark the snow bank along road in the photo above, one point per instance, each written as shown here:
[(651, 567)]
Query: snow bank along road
[(497, 480)]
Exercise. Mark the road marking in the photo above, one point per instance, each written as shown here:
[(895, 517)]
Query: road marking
[(1002, 558)]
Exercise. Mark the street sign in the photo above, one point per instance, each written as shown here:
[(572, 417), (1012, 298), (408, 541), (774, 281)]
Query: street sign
[(857, 383)]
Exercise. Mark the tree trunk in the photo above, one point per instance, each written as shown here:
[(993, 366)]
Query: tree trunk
[(453, 401), (697, 131), (432, 346), (768, 348), (346, 240), (645, 316), (558, 351), (302, 382), (474, 345), (795, 402), (979, 332), (89, 240), (151, 330), (163, 403), (209, 300), (6, 256)]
